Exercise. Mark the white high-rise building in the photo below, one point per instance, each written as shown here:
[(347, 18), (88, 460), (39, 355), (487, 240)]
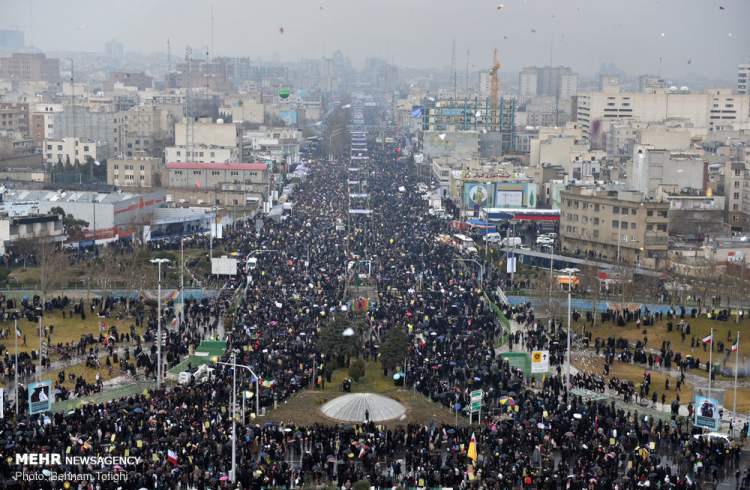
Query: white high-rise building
[(527, 83), (711, 110), (568, 85), (484, 84), (743, 78)]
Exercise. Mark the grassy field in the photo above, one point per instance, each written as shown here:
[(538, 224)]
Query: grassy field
[(699, 327), (634, 373), (304, 408), (66, 330)]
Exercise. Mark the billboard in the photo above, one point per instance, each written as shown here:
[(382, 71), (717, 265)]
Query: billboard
[(539, 361), (707, 413), (40, 397), (224, 266), (515, 194), (478, 195), (509, 199)]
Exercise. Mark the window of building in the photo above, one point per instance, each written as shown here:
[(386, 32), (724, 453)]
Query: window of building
[(596, 233), (116, 167), (178, 153), (649, 227), (633, 211), (736, 183), (86, 148), (596, 207), (736, 195), (596, 221), (615, 210), (59, 147), (624, 224), (196, 172), (662, 214), (234, 173), (661, 227), (215, 172), (632, 226), (735, 207), (615, 223), (49, 147)]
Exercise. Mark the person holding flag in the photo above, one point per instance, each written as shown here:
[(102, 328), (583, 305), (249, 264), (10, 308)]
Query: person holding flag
[(471, 453)]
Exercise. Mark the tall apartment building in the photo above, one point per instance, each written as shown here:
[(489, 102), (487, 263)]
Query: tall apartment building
[(554, 81), (712, 110), (139, 80), (614, 225), (43, 123), (673, 171), (14, 118), (737, 193), (743, 79), (30, 67), (527, 82), (143, 130)]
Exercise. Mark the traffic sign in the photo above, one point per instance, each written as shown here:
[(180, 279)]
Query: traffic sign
[(539, 361), (476, 395), (476, 400), (476, 406)]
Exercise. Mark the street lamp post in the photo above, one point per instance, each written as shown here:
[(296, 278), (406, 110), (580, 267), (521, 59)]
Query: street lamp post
[(549, 289), (481, 269), (234, 404), (158, 262), (569, 271), (182, 279)]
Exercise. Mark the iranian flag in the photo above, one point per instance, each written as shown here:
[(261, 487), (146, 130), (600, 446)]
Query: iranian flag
[(708, 339), (172, 457), (735, 346)]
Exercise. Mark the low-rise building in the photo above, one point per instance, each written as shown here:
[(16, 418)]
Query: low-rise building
[(32, 226), (218, 177), (108, 214), (614, 225), (74, 151), (134, 172)]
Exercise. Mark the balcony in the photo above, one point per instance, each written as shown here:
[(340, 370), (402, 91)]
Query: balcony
[(656, 239)]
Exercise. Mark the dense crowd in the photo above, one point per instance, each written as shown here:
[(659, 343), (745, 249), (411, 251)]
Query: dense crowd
[(532, 436)]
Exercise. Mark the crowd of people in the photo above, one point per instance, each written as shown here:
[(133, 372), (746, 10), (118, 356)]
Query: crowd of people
[(532, 436)]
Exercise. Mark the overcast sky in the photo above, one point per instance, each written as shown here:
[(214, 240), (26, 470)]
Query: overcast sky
[(418, 33)]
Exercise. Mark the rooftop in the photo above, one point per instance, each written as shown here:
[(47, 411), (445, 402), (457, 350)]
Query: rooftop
[(258, 167)]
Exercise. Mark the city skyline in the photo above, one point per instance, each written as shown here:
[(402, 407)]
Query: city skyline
[(634, 36)]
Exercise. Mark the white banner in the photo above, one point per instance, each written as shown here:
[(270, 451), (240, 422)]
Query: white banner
[(224, 266), (539, 361)]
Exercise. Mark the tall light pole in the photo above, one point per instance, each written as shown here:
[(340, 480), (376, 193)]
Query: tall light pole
[(182, 279), (481, 269), (569, 271), (234, 398), (158, 262), (549, 289)]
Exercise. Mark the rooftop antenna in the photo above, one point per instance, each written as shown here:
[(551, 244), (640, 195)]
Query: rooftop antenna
[(468, 53), (31, 22), (188, 95), (211, 32), (169, 56), (453, 67)]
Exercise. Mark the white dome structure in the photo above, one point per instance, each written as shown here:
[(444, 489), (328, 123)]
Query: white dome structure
[(352, 407)]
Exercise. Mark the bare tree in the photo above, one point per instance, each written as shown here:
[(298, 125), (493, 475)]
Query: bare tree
[(591, 284)]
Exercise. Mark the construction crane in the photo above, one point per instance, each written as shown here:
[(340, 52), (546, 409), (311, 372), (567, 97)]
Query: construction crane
[(494, 92)]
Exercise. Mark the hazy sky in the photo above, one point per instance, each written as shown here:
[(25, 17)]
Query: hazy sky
[(418, 33)]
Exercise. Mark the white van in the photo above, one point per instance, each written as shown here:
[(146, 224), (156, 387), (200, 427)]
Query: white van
[(493, 237), (511, 241)]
